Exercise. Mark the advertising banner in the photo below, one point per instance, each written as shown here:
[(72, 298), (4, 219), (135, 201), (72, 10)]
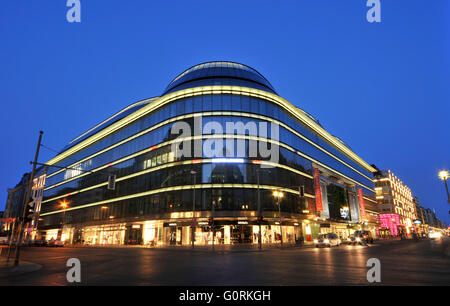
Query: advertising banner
[(317, 189), (361, 204)]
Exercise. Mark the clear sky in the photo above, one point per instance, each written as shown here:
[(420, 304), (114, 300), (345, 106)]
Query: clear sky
[(381, 87)]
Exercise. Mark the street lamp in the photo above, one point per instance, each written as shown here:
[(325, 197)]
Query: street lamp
[(443, 175), (279, 195), (193, 209), (64, 206), (258, 170)]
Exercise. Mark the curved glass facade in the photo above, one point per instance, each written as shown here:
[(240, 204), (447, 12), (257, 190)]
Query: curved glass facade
[(154, 186)]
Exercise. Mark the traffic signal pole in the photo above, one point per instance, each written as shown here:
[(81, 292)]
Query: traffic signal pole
[(26, 202)]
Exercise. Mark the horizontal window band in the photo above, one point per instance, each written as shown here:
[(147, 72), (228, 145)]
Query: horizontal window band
[(221, 136), (175, 164), (145, 101), (373, 201), (205, 90), (177, 188), (209, 114)]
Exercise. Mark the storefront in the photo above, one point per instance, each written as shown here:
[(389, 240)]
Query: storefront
[(177, 233)]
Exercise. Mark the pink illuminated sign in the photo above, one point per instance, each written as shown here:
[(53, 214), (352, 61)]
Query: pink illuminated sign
[(391, 221)]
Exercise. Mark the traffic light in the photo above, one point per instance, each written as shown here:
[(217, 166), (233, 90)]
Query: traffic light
[(112, 182), (29, 213), (301, 190), (260, 219)]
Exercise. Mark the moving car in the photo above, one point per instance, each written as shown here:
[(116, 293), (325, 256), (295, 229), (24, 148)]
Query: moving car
[(327, 240), (356, 239), (365, 235), (435, 235)]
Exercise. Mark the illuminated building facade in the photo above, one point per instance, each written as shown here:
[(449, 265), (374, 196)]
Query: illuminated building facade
[(14, 203), (319, 181), (396, 204)]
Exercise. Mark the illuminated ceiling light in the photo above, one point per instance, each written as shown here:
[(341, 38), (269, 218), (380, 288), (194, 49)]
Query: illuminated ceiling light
[(184, 187), (159, 102), (227, 160)]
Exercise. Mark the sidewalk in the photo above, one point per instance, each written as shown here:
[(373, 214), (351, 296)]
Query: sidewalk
[(8, 269)]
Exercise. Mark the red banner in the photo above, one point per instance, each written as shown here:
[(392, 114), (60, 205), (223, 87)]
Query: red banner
[(7, 220), (317, 189), (361, 204)]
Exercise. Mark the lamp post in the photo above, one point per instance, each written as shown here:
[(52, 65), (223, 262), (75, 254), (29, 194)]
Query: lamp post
[(259, 212), (26, 202), (278, 195), (64, 206), (193, 210), (443, 175)]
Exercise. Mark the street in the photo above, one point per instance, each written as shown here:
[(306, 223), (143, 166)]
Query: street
[(402, 263)]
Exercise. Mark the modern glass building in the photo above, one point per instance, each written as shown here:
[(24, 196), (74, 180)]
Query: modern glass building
[(290, 171)]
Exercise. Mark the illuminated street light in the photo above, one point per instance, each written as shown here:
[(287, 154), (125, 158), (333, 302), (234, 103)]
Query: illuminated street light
[(443, 175), (279, 195), (64, 206)]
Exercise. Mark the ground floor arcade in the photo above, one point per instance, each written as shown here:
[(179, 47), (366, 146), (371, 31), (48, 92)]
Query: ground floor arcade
[(206, 232)]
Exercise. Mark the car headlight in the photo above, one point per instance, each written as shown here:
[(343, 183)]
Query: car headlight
[(358, 239), (316, 241), (326, 241)]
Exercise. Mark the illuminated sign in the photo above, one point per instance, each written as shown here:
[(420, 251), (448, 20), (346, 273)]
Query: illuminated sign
[(317, 189), (417, 221), (361, 204), (390, 221)]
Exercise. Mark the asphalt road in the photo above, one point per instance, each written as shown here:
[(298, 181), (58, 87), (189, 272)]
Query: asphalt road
[(402, 263)]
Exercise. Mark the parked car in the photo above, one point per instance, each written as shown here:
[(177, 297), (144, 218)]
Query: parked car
[(327, 240), (39, 242), (56, 243)]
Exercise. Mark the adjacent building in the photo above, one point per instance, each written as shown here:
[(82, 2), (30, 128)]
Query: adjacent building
[(14, 203), (217, 149), (396, 205)]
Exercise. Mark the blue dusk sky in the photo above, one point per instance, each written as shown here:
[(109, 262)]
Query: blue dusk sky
[(384, 88)]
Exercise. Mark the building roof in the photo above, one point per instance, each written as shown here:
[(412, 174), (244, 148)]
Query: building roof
[(220, 73)]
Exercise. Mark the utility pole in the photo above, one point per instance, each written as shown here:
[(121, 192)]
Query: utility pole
[(26, 201)]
